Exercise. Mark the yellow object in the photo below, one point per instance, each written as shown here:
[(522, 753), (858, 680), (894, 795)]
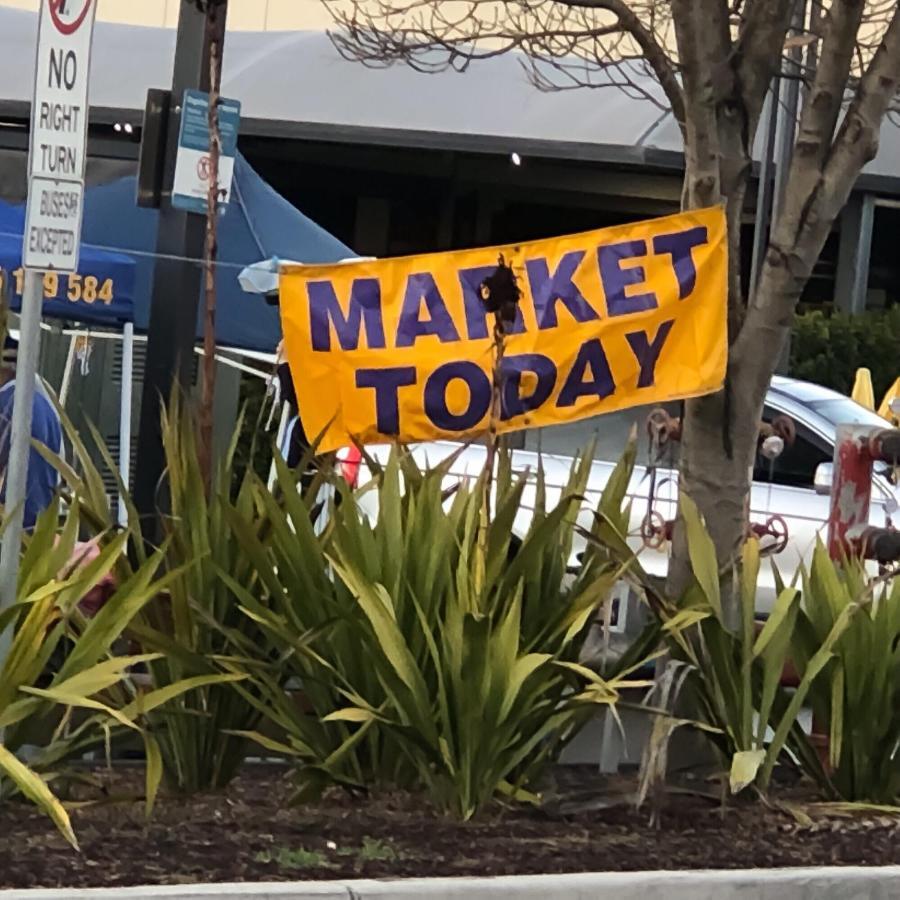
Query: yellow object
[(863, 392), (401, 349), (893, 393)]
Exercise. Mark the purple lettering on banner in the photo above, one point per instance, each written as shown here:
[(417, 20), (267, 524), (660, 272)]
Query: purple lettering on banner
[(615, 279), (364, 310), (679, 246), (591, 359), (436, 396), (470, 281), (386, 384), (512, 403), (410, 327), (547, 290), (647, 352)]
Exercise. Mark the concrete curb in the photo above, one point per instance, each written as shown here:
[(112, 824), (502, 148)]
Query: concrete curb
[(851, 883)]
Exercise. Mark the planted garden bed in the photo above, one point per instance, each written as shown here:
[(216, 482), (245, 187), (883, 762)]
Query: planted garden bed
[(433, 659), (250, 833)]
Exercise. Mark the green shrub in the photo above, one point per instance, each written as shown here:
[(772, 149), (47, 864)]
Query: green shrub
[(430, 657), (841, 635), (250, 452), (857, 693), (60, 661), (732, 680), (184, 624), (828, 349)]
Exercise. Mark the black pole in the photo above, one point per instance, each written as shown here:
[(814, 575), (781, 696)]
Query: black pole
[(786, 138), (766, 187), (790, 110), (176, 283), (783, 100)]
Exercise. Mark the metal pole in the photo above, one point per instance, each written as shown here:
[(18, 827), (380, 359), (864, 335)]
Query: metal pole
[(20, 444), (766, 187), (787, 130), (851, 486), (125, 397)]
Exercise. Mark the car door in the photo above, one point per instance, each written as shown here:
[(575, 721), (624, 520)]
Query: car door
[(607, 436)]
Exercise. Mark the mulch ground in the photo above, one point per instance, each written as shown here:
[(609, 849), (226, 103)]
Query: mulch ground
[(250, 833)]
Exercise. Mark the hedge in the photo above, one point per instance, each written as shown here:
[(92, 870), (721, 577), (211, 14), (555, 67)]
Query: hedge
[(828, 349)]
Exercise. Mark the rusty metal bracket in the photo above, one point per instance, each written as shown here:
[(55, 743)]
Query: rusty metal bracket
[(655, 530), (776, 528), (663, 428), (871, 542), (884, 445)]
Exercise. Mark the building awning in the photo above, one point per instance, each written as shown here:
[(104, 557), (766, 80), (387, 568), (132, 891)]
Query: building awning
[(294, 84)]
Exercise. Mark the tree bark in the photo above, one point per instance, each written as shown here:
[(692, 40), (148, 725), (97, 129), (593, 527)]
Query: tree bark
[(718, 134)]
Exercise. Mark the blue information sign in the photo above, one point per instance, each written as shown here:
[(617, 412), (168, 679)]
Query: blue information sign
[(191, 186)]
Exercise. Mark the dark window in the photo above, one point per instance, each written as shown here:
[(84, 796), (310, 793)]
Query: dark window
[(796, 467)]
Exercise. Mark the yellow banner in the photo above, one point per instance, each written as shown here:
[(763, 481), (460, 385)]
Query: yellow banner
[(402, 349)]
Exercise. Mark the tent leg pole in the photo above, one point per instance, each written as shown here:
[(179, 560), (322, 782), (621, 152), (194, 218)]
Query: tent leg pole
[(67, 372), (282, 430), (125, 415)]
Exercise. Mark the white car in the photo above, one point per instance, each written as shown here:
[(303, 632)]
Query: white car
[(793, 487)]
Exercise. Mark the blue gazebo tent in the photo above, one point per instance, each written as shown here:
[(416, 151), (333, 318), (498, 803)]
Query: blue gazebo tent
[(258, 224)]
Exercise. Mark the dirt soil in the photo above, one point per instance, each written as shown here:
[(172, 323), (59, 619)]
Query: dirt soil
[(250, 833)]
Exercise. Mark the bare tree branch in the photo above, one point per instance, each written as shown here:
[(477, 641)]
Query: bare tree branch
[(824, 170), (653, 53), (818, 193), (826, 95), (857, 139), (704, 46), (576, 40)]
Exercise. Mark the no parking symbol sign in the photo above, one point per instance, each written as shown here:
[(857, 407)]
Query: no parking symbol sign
[(69, 15)]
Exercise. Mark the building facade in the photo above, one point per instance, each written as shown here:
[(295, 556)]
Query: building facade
[(393, 162), (257, 15)]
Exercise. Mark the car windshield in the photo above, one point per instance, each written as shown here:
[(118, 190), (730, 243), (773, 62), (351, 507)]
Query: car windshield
[(844, 411)]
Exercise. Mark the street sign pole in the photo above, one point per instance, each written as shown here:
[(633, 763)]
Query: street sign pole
[(57, 155), (176, 283), (20, 444)]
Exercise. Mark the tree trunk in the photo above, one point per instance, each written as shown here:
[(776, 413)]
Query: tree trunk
[(720, 431)]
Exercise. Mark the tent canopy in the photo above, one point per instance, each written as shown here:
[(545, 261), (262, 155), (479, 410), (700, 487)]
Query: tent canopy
[(258, 223), (101, 294)]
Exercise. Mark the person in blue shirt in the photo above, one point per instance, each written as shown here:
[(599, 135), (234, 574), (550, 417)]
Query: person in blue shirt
[(46, 429)]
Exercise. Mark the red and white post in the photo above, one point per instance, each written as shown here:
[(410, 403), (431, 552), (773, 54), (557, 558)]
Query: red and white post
[(857, 449)]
